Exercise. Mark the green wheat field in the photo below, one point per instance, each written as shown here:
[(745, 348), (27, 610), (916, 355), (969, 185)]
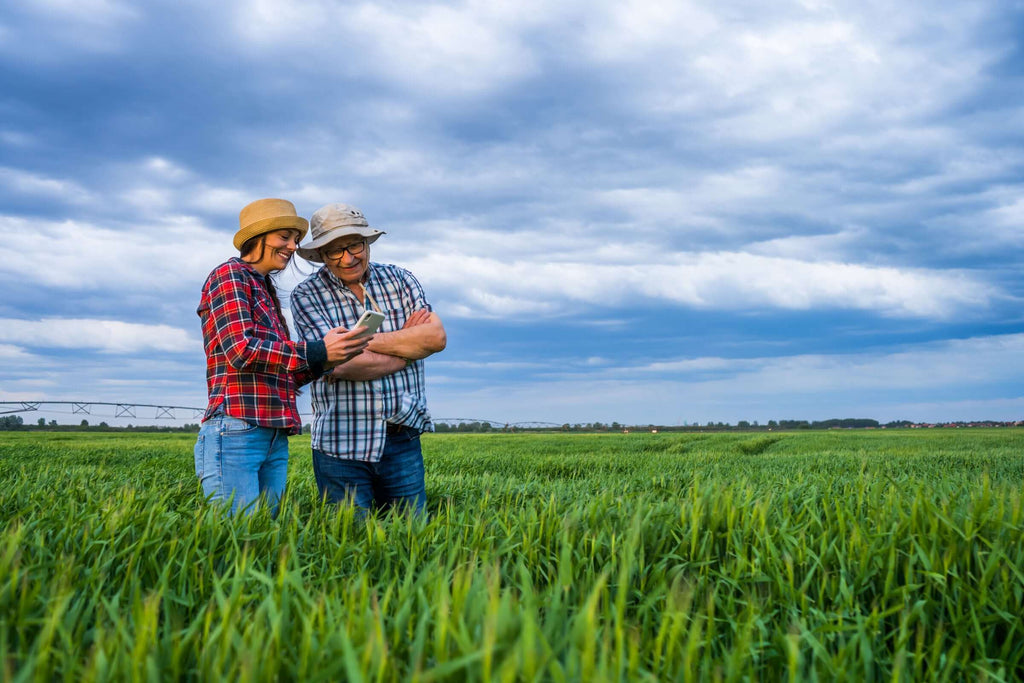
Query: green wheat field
[(854, 555)]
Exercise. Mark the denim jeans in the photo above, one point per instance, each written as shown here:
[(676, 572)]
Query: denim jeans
[(396, 481), (239, 461)]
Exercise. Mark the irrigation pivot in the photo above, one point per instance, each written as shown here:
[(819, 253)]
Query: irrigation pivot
[(160, 412)]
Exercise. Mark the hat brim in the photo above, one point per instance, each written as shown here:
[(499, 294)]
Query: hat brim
[(269, 225), (311, 251)]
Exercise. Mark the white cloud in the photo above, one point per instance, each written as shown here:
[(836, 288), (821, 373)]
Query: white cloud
[(160, 189), (782, 71), (16, 138), (10, 355), (1003, 224), (166, 169), (84, 257), (38, 186), (702, 201), (912, 382), (442, 364), (60, 27), (919, 367), (434, 48), (637, 30), (452, 49), (832, 247), (989, 223), (90, 12), (720, 280), (108, 336)]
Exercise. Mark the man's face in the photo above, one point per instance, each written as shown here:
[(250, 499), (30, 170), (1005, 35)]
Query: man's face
[(348, 258)]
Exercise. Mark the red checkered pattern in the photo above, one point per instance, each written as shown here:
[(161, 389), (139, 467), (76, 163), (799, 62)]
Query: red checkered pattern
[(252, 368)]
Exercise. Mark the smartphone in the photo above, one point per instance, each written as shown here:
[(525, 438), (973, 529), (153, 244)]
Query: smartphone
[(371, 320)]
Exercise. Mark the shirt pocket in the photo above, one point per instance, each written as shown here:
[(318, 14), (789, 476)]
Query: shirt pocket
[(264, 318)]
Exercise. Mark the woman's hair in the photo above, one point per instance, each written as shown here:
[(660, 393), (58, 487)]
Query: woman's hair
[(248, 247)]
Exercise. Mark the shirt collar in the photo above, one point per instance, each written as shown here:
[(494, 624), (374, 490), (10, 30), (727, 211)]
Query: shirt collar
[(249, 267)]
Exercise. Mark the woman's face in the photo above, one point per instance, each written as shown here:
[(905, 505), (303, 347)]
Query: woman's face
[(278, 248)]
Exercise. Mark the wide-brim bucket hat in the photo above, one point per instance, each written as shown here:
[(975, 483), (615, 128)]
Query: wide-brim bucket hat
[(266, 215), (331, 222)]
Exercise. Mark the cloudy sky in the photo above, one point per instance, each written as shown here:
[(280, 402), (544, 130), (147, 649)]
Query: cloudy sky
[(634, 211)]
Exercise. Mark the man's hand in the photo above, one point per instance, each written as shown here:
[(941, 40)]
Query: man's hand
[(344, 345), (419, 317)]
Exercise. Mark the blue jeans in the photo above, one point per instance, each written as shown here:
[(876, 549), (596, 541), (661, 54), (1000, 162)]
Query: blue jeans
[(396, 481), (239, 461)]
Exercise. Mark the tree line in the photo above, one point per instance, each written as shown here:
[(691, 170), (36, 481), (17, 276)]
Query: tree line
[(16, 422), (9, 423)]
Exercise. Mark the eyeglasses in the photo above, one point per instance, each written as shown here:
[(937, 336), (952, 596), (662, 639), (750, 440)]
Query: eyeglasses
[(355, 249)]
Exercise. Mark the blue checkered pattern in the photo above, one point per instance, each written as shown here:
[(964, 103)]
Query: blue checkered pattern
[(349, 418)]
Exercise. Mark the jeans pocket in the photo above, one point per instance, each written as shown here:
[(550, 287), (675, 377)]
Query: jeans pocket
[(198, 454), (232, 426)]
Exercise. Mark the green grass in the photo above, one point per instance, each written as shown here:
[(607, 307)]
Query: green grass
[(883, 555)]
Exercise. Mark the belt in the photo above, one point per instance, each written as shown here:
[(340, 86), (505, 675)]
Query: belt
[(395, 430)]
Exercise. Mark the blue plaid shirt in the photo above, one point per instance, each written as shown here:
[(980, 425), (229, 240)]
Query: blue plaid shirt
[(350, 418)]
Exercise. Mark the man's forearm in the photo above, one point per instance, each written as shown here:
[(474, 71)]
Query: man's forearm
[(413, 343), (368, 365)]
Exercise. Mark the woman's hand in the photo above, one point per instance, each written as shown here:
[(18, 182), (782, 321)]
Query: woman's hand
[(344, 345)]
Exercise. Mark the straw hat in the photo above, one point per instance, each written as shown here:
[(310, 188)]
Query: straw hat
[(265, 215), (333, 221)]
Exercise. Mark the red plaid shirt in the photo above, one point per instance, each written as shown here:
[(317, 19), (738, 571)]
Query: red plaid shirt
[(252, 368)]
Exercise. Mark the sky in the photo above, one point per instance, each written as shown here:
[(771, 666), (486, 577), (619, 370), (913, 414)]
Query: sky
[(636, 211)]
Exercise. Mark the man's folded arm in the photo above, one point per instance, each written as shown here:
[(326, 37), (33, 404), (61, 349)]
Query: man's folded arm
[(368, 365), (412, 343)]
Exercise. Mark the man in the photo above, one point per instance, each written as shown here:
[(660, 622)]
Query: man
[(367, 414)]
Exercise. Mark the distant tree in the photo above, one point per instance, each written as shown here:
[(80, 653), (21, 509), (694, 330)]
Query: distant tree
[(743, 424), (53, 423), (845, 423), (11, 422), (41, 422), (85, 423), (104, 425)]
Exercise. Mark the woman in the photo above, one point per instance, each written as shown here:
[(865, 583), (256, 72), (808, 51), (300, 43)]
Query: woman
[(253, 369)]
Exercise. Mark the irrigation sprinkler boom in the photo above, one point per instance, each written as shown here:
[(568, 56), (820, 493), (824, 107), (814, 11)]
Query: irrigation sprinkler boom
[(162, 412)]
